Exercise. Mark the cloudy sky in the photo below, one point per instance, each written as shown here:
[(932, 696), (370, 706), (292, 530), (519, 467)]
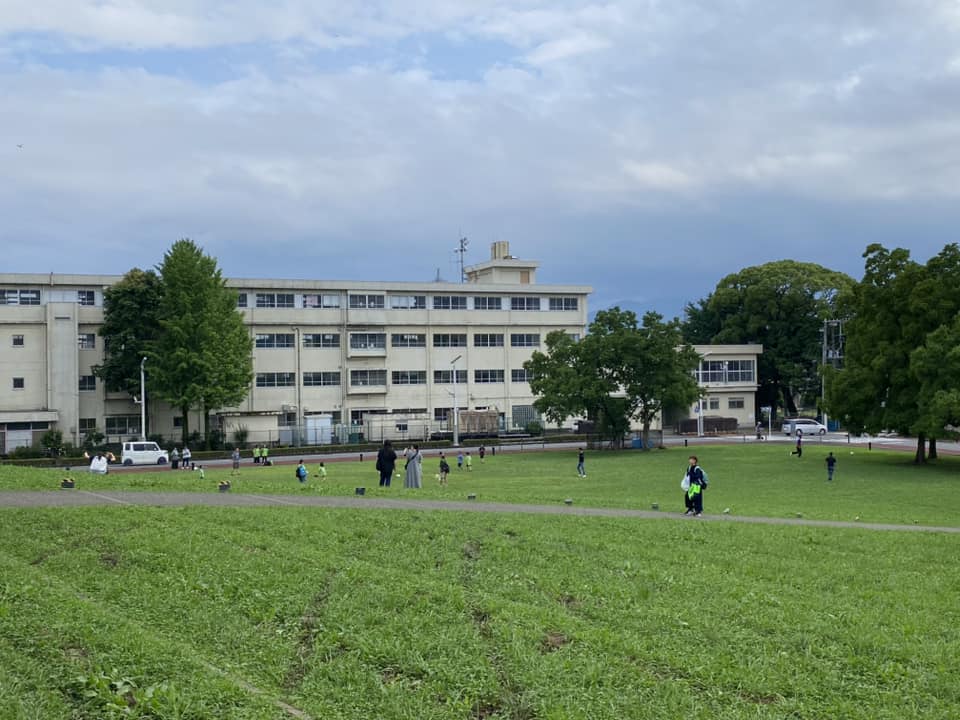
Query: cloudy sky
[(646, 148)]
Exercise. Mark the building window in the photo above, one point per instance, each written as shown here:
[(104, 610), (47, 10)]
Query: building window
[(449, 302), (450, 340), (408, 340), (274, 300), (488, 340), (445, 377), (409, 377), (712, 371), (713, 404), (123, 424), (275, 340), (321, 301), (519, 375), (487, 302), (85, 297), (321, 340), (368, 341), (563, 303), (408, 302), (321, 379), (88, 383), (87, 425), (525, 303), (488, 376), (740, 371), (178, 421), (360, 378), (574, 336), (279, 379), (18, 341), (18, 383), (366, 302), (86, 341), (525, 340), (241, 300), (735, 403), (19, 297)]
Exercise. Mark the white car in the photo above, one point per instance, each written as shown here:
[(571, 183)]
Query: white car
[(809, 427), (143, 453)]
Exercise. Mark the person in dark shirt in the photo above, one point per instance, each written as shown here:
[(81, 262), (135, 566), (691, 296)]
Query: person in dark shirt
[(386, 462), (581, 468), (696, 484), (799, 449), (831, 466)]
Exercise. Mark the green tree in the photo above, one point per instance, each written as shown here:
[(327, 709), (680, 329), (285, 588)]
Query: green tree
[(130, 327), (899, 367), (782, 305), (202, 358), (618, 372)]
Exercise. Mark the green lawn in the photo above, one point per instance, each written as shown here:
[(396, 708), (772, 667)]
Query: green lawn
[(762, 480), (378, 614)]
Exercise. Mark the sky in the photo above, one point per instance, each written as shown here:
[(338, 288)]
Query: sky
[(645, 148)]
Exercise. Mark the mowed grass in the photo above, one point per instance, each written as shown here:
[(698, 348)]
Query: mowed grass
[(752, 479), (402, 614)]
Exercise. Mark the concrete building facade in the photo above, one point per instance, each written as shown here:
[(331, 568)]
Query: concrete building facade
[(370, 359)]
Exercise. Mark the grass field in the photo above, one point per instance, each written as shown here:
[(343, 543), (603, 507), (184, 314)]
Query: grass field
[(225, 612), (760, 480)]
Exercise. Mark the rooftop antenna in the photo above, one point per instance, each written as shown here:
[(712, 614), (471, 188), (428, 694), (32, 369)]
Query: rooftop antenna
[(438, 278), (461, 251)]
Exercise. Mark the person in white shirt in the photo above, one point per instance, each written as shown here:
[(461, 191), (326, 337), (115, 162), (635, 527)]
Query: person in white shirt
[(99, 464)]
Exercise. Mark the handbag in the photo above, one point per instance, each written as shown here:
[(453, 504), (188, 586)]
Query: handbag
[(685, 483)]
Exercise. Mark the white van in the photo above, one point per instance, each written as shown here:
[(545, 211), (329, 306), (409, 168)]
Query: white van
[(143, 453)]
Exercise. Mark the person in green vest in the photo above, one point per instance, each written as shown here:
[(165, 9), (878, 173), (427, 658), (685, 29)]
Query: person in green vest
[(265, 455), (256, 454)]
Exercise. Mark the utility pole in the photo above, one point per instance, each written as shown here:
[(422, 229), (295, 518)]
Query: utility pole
[(143, 401), (461, 251), (456, 408)]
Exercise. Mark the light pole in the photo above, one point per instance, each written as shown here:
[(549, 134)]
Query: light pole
[(456, 408), (298, 381), (700, 398), (143, 401)]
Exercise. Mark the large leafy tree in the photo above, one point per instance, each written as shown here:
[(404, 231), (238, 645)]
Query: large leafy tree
[(202, 358), (782, 305), (618, 372), (130, 327), (900, 371)]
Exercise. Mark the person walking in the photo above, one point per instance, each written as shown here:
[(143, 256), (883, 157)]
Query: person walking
[(759, 431), (302, 472), (694, 483), (581, 467), (468, 461), (386, 462), (235, 456), (482, 452), (460, 460), (799, 449), (414, 470), (322, 471), (831, 462), (444, 470)]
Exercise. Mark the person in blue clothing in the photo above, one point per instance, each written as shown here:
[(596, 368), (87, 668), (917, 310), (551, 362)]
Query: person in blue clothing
[(302, 472), (696, 482)]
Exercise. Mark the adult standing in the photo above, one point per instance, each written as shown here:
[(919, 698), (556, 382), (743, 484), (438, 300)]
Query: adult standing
[(235, 456), (831, 466), (759, 431), (386, 463), (696, 483), (581, 467), (186, 455), (265, 455), (174, 458), (799, 449), (414, 470), (256, 454)]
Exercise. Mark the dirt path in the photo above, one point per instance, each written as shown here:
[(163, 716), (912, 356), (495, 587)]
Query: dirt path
[(84, 498)]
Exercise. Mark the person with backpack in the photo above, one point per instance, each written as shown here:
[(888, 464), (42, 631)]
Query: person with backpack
[(301, 472), (693, 484)]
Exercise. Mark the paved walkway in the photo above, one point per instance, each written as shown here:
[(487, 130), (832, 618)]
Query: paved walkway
[(86, 498)]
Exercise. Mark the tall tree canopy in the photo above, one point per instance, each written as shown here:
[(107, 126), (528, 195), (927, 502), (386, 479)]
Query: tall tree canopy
[(618, 372), (901, 369), (202, 358), (130, 327), (782, 305)]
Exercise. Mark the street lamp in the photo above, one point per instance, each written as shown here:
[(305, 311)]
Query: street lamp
[(700, 397), (299, 382), (456, 408), (143, 402)]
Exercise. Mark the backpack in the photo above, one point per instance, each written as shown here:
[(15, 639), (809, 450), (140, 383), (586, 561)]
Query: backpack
[(705, 481)]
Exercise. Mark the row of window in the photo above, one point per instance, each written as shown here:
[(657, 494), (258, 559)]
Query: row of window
[(403, 302), (726, 371), (378, 341), (362, 378), (87, 383), (32, 297), (85, 341), (733, 403)]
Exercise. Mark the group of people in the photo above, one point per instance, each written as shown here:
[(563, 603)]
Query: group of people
[(387, 459), (261, 455), (181, 460), (302, 472)]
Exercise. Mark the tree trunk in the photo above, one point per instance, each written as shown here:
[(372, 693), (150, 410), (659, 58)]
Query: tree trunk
[(185, 425), (646, 435), (921, 456), (206, 426), (932, 453)]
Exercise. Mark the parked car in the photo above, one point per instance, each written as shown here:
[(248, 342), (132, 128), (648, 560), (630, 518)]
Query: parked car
[(143, 453), (809, 427)]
